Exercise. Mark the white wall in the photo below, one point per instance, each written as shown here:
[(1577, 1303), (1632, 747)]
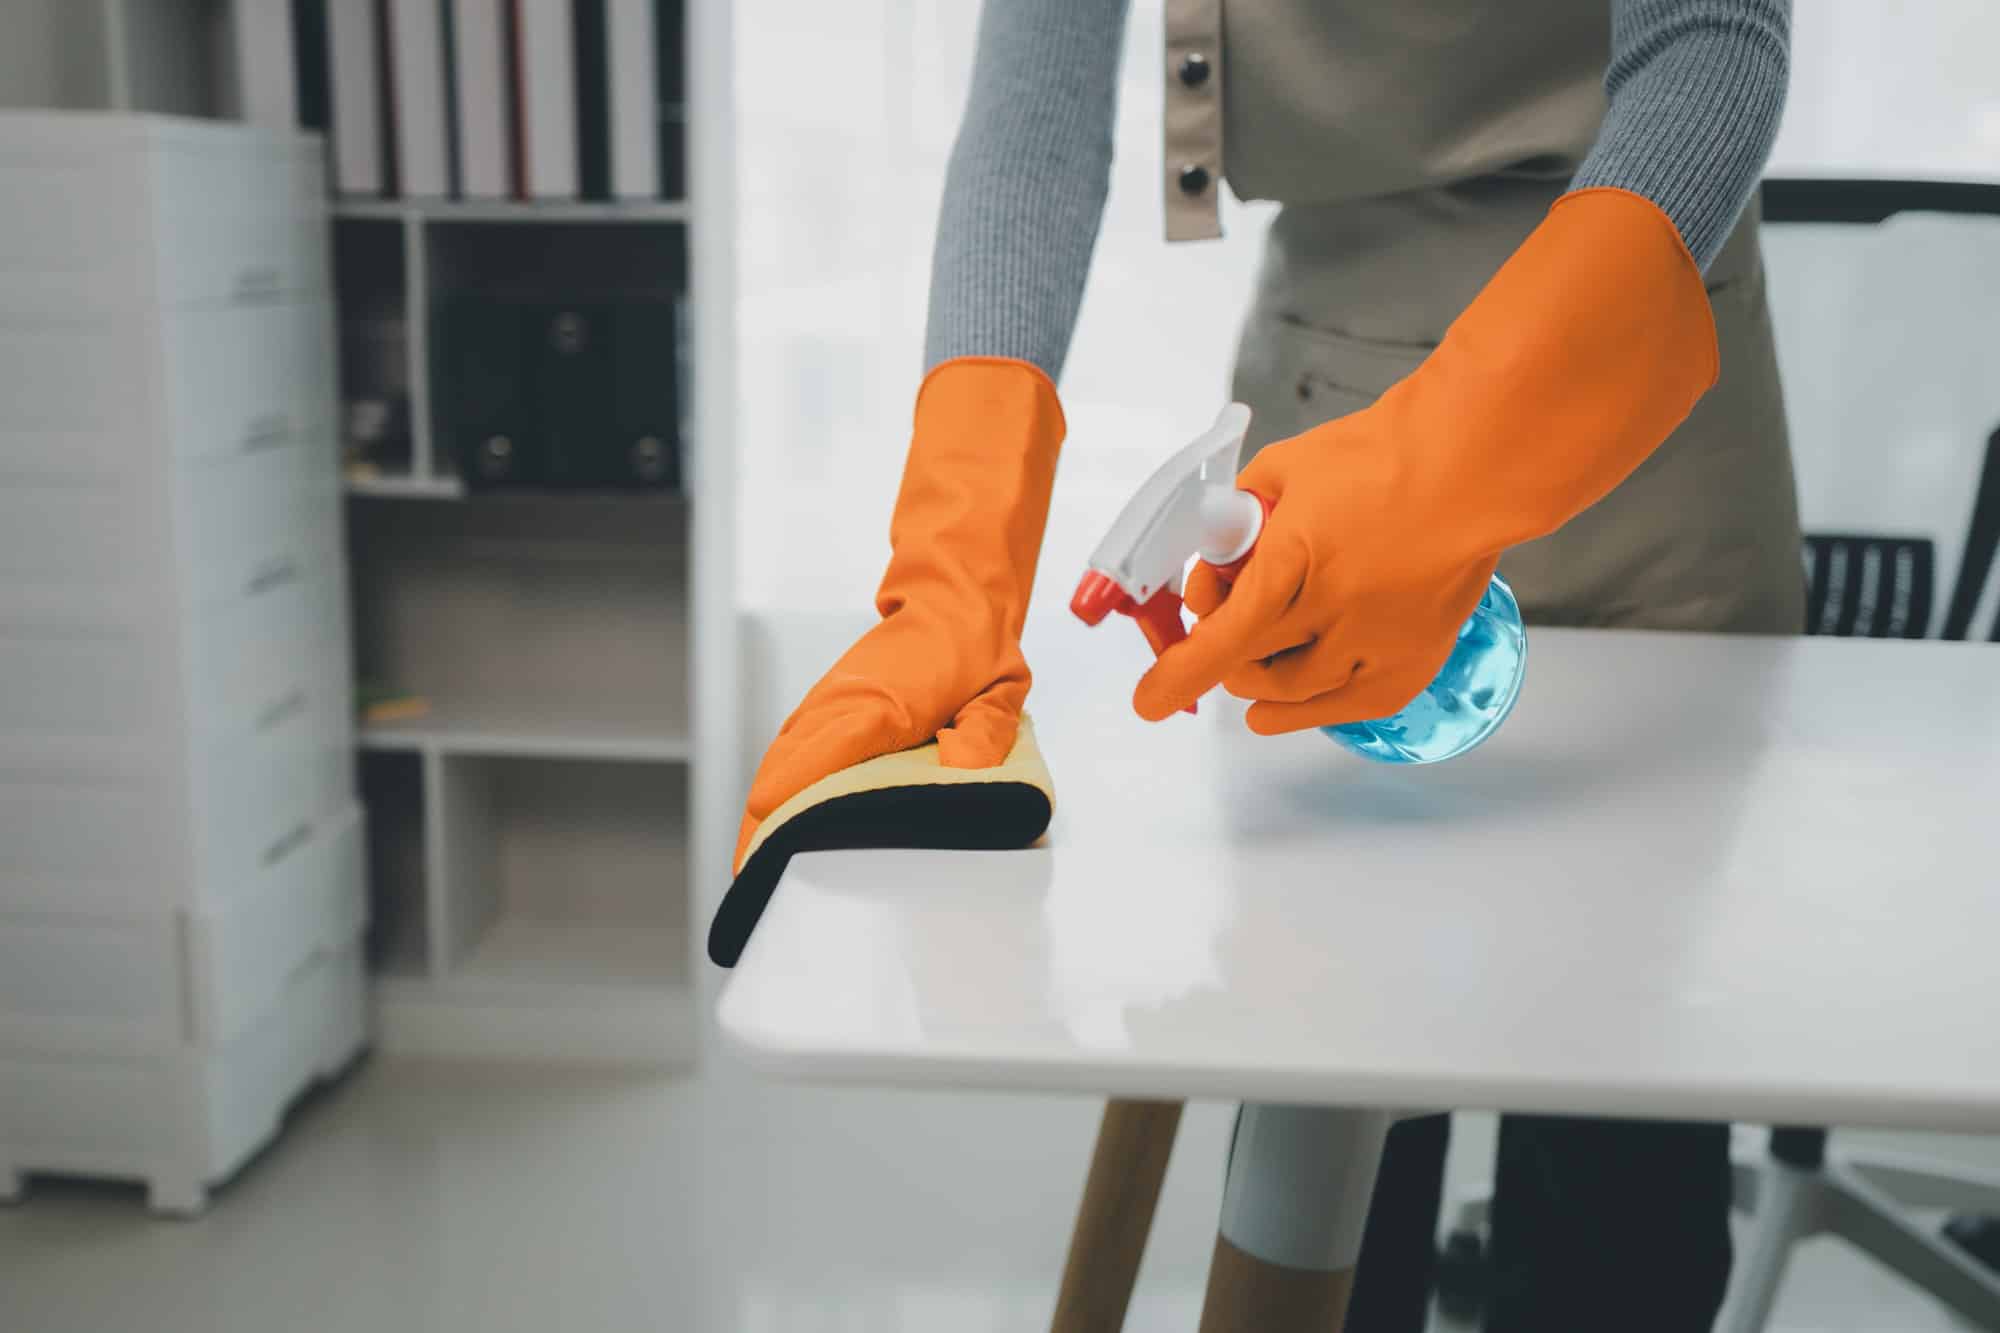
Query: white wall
[(1905, 86)]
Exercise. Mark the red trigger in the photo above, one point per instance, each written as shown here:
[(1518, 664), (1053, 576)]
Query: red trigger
[(1159, 617)]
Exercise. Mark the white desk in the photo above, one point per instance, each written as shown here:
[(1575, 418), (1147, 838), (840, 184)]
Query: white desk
[(1692, 877)]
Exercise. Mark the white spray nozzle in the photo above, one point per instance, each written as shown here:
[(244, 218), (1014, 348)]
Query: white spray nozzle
[(1231, 522), (1166, 521)]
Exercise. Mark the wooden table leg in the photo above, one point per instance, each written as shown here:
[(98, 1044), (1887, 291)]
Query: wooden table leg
[(1247, 1295), (1126, 1170)]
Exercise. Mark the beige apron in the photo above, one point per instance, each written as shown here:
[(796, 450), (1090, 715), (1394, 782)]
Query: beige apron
[(1414, 145)]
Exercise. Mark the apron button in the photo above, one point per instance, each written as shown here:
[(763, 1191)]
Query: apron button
[(1194, 70), (1194, 179)]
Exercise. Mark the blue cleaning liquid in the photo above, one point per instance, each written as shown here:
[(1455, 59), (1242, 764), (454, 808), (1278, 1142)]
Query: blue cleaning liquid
[(1467, 702)]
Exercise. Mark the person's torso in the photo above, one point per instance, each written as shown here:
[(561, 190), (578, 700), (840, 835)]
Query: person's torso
[(1414, 144), (1317, 102), (1345, 99)]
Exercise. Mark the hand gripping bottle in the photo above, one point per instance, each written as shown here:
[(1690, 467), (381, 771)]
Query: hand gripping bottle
[(1191, 509)]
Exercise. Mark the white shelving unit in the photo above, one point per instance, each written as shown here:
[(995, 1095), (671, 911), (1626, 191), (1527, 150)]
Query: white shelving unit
[(450, 731), (406, 487), (533, 863), (533, 907), (538, 837), (417, 211)]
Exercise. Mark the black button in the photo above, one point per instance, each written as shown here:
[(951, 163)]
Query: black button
[(1194, 69), (1194, 179)]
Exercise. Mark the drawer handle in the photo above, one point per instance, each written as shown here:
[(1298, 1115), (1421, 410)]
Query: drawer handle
[(291, 705), (257, 285), (293, 838), (275, 574), (271, 431)]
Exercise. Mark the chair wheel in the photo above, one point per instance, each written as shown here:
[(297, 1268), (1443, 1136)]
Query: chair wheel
[(1978, 1234), (1462, 1276)]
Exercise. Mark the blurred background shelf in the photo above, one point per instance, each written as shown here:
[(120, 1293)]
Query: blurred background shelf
[(451, 731), (578, 955), (532, 900), (566, 341), (402, 486), (500, 210)]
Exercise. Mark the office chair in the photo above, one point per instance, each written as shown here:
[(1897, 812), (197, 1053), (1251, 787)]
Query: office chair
[(1866, 579)]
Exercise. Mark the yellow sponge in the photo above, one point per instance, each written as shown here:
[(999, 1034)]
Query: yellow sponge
[(906, 799)]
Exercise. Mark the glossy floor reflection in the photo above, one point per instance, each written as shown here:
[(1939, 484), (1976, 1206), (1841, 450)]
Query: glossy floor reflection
[(425, 1198)]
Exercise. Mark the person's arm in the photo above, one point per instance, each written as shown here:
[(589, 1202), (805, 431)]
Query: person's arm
[(1696, 89), (1577, 360), (1022, 202), (1024, 194)]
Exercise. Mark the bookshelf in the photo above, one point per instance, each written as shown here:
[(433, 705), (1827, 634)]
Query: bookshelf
[(624, 212), (538, 832)]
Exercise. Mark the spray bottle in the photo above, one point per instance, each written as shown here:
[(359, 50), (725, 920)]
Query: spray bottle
[(1190, 509)]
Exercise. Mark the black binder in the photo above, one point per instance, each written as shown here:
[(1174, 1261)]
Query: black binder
[(573, 395)]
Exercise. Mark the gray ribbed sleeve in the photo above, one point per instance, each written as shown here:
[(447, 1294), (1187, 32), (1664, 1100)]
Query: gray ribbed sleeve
[(1696, 88), (1024, 194)]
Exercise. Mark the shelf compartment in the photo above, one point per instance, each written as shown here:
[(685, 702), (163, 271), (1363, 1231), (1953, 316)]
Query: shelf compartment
[(472, 733), (392, 792), (563, 921), (540, 953), (552, 356), (543, 212), (549, 862), (401, 485), (377, 391), (542, 625)]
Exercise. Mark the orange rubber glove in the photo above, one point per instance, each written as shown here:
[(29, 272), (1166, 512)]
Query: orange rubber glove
[(1579, 357), (945, 661)]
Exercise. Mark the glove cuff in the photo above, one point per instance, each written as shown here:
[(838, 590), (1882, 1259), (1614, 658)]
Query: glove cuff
[(1641, 236), (1580, 356), (975, 493), (1019, 394)]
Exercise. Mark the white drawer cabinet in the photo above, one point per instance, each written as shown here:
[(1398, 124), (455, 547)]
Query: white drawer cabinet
[(150, 763), (148, 982), (90, 402), (251, 660), (96, 842), (165, 1047), (97, 686), (243, 380), (258, 519), (181, 858), (226, 530), (109, 212), (183, 1120), (73, 981)]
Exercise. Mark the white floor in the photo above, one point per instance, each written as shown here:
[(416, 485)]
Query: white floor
[(414, 1197)]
